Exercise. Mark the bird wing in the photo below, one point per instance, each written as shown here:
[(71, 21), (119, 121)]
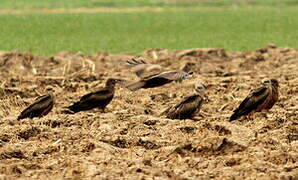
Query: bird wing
[(174, 76), (92, 100), (253, 101), (187, 104), (135, 62), (41, 103), (157, 80), (273, 98), (97, 95), (133, 86), (139, 66)]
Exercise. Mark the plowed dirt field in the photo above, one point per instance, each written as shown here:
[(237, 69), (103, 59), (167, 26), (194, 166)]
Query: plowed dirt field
[(131, 140)]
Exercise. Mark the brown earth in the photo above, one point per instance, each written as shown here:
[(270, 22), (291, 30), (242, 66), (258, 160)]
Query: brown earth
[(131, 140)]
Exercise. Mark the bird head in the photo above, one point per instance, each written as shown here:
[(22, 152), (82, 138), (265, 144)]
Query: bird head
[(50, 89), (266, 81), (200, 88), (113, 81)]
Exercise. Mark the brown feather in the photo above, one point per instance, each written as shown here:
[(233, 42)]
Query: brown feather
[(98, 99), (189, 105), (133, 86), (40, 107), (258, 100), (273, 97), (157, 80), (143, 69), (186, 108)]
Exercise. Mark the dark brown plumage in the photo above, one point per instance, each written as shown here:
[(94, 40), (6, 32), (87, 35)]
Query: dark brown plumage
[(258, 100), (157, 80), (40, 107), (142, 68), (98, 99), (188, 106)]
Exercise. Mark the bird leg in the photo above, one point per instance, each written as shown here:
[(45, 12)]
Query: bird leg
[(196, 118), (265, 112), (250, 116), (102, 110), (203, 114)]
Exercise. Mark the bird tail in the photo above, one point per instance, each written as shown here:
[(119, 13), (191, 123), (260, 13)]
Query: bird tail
[(20, 117), (24, 114), (165, 111), (74, 108), (133, 86), (234, 117)]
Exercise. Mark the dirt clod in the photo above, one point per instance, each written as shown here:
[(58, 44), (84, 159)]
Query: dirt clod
[(31, 132), (12, 154)]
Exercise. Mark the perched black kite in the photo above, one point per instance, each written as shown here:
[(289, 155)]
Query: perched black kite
[(40, 107), (98, 99), (258, 100), (188, 106)]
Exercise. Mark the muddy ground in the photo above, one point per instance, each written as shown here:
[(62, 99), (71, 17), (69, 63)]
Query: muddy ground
[(131, 140)]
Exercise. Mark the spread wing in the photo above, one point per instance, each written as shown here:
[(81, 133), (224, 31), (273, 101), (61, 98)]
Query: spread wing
[(133, 86), (174, 76), (252, 102), (186, 107), (157, 80), (140, 67), (41, 104)]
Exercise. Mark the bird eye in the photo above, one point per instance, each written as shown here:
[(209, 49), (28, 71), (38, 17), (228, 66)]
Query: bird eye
[(266, 81)]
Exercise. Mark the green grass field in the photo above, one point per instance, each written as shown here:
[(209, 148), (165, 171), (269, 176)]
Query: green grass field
[(231, 28), (49, 4)]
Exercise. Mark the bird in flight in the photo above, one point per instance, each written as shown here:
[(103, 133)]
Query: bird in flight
[(260, 99), (157, 80), (189, 105), (40, 107), (98, 99), (142, 68)]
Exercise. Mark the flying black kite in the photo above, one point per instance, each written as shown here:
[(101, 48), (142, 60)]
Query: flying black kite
[(157, 80), (142, 68)]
